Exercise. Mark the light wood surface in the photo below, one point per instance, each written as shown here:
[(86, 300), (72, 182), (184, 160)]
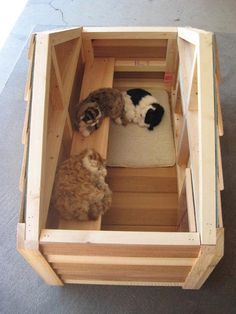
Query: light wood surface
[(130, 32), (118, 237), (142, 179), (142, 209), (98, 74), (35, 258), (208, 258)]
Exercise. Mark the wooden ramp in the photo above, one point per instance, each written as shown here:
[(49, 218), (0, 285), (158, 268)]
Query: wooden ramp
[(96, 75)]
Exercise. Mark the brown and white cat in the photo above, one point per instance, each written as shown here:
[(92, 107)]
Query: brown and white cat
[(103, 102), (80, 191)]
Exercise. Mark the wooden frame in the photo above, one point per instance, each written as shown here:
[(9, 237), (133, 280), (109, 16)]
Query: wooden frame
[(182, 61)]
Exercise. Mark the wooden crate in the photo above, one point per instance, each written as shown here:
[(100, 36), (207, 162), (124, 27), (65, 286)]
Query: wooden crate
[(165, 226)]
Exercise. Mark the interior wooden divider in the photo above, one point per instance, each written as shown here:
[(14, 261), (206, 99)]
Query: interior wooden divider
[(96, 75)]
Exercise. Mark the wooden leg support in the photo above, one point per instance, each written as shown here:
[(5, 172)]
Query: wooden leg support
[(31, 253), (208, 258)]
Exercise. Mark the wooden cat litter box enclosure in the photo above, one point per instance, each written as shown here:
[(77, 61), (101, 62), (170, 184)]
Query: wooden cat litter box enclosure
[(165, 224)]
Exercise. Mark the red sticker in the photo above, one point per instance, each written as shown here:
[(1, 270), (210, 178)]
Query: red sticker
[(168, 77)]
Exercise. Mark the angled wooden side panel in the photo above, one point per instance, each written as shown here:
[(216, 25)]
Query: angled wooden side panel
[(38, 136), (207, 141), (197, 89), (52, 85)]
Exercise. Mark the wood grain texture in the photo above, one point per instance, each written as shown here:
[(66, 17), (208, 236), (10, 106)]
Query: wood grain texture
[(207, 141), (124, 272), (130, 32), (35, 258), (97, 75), (61, 261), (142, 208), (142, 179), (208, 258), (38, 136), (146, 228)]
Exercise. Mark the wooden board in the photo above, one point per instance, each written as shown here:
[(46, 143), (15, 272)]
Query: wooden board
[(130, 32), (142, 209), (208, 258), (35, 258), (139, 228), (147, 180), (124, 272), (79, 237), (38, 138), (122, 283), (68, 260), (96, 75)]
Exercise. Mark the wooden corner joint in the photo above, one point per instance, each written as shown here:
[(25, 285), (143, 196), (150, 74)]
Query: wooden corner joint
[(31, 253)]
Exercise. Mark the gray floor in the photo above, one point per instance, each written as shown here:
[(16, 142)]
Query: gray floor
[(21, 291)]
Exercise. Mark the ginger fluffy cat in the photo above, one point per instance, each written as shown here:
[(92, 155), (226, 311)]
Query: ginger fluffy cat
[(80, 191)]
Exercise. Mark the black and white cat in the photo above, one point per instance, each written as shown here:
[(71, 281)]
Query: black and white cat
[(142, 108)]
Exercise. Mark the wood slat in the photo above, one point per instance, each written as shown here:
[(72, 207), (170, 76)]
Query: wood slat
[(55, 129), (142, 179), (64, 35), (183, 145), (175, 251), (58, 98), (129, 52), (25, 129), (206, 131), (99, 74), (144, 82), (129, 43), (118, 237), (80, 225), (130, 32), (190, 201), (38, 136), (187, 55), (66, 261), (146, 228), (142, 208), (124, 272), (140, 65), (23, 173), (122, 283), (88, 51), (219, 110)]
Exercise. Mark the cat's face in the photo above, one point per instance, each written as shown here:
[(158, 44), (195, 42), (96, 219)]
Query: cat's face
[(154, 116), (90, 119), (94, 163)]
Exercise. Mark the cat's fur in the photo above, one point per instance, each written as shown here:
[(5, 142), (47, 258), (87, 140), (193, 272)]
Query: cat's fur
[(142, 108), (108, 101), (80, 191)]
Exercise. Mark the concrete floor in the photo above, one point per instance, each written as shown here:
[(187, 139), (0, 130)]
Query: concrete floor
[(21, 291)]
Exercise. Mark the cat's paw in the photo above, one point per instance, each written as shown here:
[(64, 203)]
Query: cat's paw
[(118, 121), (85, 133)]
